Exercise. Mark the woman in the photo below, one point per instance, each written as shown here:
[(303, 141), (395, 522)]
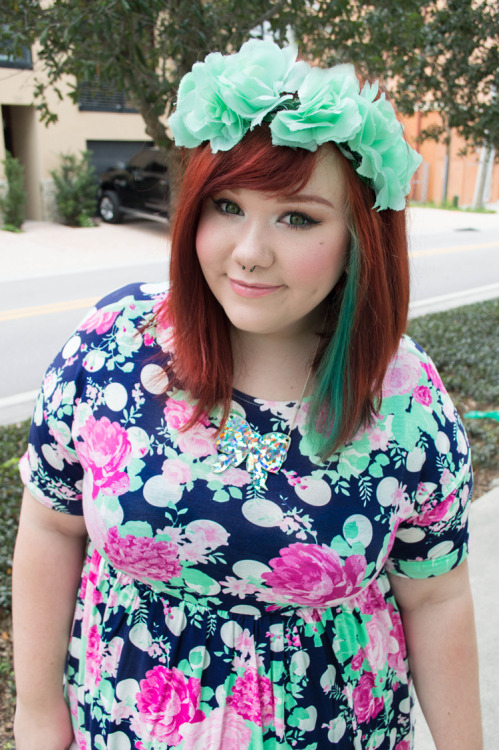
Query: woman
[(273, 480)]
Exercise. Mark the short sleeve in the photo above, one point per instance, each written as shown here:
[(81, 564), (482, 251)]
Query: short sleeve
[(107, 338), (433, 538), (50, 468)]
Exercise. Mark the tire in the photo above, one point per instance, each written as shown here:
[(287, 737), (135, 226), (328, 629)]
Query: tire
[(109, 208)]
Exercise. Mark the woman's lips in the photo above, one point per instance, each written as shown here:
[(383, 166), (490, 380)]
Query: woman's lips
[(252, 290)]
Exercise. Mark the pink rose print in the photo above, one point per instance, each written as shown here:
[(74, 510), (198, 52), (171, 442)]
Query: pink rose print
[(402, 375), (100, 321), (313, 575), (365, 705), (237, 587), (104, 449), (49, 383), (433, 375), (396, 657), (422, 395), (141, 557), (201, 537), (433, 511), (357, 660), (370, 599), (234, 477), (245, 643), (176, 471), (199, 441), (207, 534), (381, 640), (177, 413), (403, 745), (224, 729), (166, 701), (93, 657), (252, 698)]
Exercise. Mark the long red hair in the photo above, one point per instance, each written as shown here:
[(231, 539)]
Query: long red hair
[(202, 360)]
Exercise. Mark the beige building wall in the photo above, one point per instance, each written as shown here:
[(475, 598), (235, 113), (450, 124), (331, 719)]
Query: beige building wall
[(38, 146)]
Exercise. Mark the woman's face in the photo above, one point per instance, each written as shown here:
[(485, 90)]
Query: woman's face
[(296, 245)]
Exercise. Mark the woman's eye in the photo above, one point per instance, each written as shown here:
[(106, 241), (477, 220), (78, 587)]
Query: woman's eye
[(297, 219), (227, 207)]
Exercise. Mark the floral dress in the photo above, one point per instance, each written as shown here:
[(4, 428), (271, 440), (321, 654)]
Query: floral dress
[(217, 612)]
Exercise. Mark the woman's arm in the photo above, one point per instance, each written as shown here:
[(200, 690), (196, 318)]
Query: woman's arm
[(48, 561), (439, 627)]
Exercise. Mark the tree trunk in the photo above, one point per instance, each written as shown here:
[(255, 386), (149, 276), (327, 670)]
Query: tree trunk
[(481, 176), (445, 186)]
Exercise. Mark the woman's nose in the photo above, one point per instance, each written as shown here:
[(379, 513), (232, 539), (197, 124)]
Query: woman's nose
[(252, 246)]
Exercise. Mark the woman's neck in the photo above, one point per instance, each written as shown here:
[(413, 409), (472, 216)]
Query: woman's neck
[(273, 368)]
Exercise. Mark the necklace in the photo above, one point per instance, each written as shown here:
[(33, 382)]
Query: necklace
[(238, 442)]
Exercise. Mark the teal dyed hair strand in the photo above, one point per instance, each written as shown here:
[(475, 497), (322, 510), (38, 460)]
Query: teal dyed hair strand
[(332, 377)]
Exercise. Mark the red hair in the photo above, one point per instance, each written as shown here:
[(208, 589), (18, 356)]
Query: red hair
[(202, 361)]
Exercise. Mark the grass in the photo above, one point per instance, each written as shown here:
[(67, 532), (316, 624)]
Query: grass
[(451, 206), (464, 344)]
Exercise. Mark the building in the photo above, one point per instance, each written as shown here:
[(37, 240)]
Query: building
[(101, 122), (468, 167)]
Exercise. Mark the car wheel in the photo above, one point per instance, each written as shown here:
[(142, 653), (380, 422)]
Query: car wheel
[(109, 208)]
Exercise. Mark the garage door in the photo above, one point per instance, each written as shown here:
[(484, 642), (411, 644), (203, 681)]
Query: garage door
[(106, 154)]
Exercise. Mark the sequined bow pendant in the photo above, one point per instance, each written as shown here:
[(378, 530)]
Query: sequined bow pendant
[(263, 453)]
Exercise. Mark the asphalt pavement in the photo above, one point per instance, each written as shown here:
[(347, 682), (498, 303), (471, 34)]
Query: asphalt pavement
[(46, 249)]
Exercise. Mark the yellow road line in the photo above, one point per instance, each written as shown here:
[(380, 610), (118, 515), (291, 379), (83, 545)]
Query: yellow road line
[(453, 249), (54, 307)]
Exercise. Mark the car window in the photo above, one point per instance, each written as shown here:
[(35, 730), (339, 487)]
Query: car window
[(155, 166), (142, 160)]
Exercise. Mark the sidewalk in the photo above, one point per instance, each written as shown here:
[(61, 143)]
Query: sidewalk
[(45, 249)]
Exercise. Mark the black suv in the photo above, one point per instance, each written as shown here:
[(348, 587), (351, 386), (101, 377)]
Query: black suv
[(140, 189)]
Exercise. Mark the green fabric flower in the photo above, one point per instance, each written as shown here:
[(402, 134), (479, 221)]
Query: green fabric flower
[(260, 78), (220, 99), (227, 95), (387, 160), (202, 113), (328, 110)]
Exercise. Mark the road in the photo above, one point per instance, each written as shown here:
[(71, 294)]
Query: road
[(37, 314)]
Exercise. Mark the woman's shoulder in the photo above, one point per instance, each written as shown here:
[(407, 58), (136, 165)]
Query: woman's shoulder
[(121, 327), (414, 397), (137, 298), (410, 367)]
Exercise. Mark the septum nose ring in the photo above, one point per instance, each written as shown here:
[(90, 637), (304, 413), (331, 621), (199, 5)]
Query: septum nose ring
[(251, 269)]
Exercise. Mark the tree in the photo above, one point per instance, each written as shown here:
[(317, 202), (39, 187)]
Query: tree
[(435, 53), (456, 73)]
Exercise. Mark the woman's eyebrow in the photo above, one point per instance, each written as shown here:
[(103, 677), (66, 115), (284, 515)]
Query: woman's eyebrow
[(304, 198)]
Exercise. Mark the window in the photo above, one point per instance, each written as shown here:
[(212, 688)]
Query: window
[(98, 97), (9, 59)]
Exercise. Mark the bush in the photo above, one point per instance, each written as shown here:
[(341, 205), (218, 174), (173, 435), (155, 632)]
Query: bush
[(464, 344), (13, 443), (75, 189), (13, 203)]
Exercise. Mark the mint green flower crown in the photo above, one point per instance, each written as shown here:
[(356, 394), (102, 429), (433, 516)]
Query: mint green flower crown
[(227, 95)]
